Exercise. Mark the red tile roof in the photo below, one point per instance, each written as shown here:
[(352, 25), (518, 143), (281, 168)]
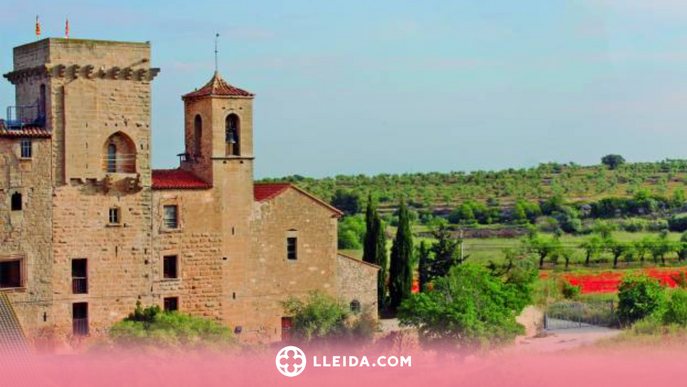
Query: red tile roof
[(266, 191), (24, 131), (263, 192), (177, 179), (218, 87)]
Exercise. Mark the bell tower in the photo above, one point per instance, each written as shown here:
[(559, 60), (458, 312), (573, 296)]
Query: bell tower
[(219, 150), (218, 128)]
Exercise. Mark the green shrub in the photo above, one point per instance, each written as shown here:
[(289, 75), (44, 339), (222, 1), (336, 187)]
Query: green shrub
[(676, 308), (171, 330), (658, 225), (677, 224), (633, 225), (647, 326), (321, 318), (571, 225), (570, 291), (347, 201), (349, 240), (470, 308), (638, 297), (351, 232), (548, 224)]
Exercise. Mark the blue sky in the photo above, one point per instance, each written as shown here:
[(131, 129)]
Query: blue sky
[(348, 87)]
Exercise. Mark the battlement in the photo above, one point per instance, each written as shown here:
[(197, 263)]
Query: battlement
[(74, 58)]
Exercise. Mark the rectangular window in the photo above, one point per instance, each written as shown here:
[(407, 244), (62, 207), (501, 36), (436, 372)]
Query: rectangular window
[(26, 149), (170, 267), (80, 276), (171, 304), (11, 274), (115, 217), (292, 248), (80, 319), (171, 217), (16, 201)]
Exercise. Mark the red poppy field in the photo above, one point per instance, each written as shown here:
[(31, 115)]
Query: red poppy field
[(608, 282)]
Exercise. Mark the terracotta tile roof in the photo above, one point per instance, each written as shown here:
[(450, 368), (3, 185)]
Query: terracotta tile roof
[(24, 131), (263, 192), (177, 179), (266, 191), (12, 340), (218, 87)]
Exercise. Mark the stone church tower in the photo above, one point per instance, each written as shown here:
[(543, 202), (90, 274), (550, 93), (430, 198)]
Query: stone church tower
[(219, 150)]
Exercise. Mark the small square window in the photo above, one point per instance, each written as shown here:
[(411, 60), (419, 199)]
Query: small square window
[(171, 217), (292, 248), (11, 274), (115, 215), (171, 304), (26, 149), (170, 267)]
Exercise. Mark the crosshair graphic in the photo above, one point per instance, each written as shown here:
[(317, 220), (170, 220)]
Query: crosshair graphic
[(291, 361)]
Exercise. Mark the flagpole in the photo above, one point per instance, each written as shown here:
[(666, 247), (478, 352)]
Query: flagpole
[(38, 28)]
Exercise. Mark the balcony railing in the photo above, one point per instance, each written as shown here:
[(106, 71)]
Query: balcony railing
[(121, 163), (18, 116), (79, 285), (80, 326)]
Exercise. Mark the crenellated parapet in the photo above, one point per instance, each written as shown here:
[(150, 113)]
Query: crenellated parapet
[(87, 71)]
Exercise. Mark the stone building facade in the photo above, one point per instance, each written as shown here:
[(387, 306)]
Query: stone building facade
[(88, 228)]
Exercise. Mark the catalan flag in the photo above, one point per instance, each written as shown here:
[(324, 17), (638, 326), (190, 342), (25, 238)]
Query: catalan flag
[(66, 29), (38, 27)]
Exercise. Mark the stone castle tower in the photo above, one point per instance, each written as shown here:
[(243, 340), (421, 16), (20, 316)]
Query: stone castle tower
[(88, 228), (93, 99)]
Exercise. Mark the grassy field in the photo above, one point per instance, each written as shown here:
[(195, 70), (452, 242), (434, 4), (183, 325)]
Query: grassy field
[(492, 249), (485, 250)]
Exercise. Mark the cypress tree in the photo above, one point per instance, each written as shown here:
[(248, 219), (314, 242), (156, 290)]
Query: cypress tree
[(374, 249), (400, 272), (382, 260), (370, 242)]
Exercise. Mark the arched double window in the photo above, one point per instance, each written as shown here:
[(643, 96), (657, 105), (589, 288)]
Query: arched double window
[(197, 135), (112, 157), (233, 133), (119, 154)]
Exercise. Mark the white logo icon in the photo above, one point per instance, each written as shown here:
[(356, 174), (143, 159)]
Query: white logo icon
[(291, 361)]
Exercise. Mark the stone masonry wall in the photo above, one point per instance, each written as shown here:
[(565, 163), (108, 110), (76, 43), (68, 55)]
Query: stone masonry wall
[(357, 280), (197, 243), (271, 277), (95, 89), (27, 233)]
